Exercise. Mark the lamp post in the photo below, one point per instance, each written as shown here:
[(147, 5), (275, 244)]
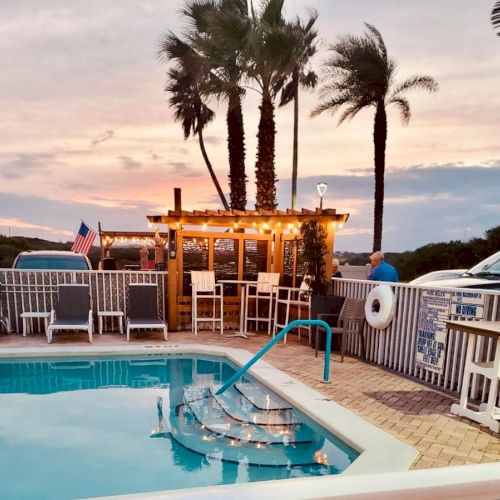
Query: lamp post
[(321, 187)]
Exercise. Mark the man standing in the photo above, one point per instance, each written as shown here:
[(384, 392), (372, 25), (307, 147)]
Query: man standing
[(381, 270)]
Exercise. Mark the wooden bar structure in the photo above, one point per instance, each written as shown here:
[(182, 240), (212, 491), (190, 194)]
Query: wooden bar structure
[(236, 245)]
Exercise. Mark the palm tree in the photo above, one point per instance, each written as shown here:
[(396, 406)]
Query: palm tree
[(270, 51), (306, 48), (210, 21), (185, 84), (360, 74)]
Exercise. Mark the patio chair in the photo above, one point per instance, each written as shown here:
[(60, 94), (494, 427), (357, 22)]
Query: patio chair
[(350, 320), (142, 310), (299, 298), (264, 291), (204, 287), (72, 311)]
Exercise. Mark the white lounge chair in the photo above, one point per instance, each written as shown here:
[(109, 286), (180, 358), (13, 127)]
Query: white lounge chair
[(72, 312)]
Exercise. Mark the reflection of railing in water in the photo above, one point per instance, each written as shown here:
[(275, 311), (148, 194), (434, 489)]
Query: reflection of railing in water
[(67, 375)]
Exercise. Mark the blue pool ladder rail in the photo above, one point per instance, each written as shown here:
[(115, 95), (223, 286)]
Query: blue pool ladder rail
[(275, 340)]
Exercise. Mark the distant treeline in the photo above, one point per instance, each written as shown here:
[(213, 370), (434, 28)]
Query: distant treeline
[(435, 256), (432, 257)]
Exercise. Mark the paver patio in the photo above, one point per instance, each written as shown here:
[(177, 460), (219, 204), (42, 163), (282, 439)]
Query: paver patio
[(414, 413)]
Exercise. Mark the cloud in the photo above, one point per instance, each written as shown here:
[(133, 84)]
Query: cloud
[(212, 139), (128, 163), (20, 224), (183, 169), (154, 156), (23, 165), (102, 137)]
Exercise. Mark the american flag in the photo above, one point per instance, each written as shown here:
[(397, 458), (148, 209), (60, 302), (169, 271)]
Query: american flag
[(84, 239)]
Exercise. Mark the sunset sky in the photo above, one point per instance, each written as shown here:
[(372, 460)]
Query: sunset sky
[(86, 132)]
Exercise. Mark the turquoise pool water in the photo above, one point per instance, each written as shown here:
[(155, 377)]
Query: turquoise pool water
[(83, 427)]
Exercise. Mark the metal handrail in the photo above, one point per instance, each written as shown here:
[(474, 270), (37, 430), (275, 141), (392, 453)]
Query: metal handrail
[(275, 340)]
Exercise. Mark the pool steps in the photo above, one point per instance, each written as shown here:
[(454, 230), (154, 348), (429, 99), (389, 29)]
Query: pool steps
[(259, 398), (203, 426)]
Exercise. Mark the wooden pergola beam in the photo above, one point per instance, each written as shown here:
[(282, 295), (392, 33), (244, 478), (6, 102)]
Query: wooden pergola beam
[(247, 218)]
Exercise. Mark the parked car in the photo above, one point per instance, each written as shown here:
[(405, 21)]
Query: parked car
[(52, 259), (485, 275), (445, 274)]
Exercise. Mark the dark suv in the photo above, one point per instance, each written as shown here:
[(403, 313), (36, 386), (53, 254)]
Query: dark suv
[(53, 260)]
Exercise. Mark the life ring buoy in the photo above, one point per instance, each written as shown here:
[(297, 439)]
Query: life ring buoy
[(380, 307)]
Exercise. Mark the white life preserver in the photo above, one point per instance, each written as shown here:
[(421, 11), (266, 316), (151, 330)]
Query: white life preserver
[(380, 307)]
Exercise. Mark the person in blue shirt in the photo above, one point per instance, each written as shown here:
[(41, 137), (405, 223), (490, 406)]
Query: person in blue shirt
[(381, 270)]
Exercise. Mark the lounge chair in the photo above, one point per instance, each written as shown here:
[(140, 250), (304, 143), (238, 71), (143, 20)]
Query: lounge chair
[(143, 308), (72, 312)]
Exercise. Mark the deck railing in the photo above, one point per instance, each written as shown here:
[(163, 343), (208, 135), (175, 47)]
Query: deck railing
[(36, 291), (395, 346)]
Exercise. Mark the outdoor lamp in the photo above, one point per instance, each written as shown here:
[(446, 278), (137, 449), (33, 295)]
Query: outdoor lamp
[(321, 186)]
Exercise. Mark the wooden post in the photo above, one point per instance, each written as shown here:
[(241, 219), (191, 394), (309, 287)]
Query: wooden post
[(278, 253), (177, 201), (330, 230), (101, 250), (172, 282)]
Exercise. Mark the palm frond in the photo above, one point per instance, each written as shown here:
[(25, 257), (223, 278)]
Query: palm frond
[(332, 105), (350, 112), (417, 82), (375, 33), (495, 17), (404, 107)]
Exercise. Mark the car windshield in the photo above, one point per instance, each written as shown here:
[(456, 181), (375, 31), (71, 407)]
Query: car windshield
[(52, 262), (489, 268)]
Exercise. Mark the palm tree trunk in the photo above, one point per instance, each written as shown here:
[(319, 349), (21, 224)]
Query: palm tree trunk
[(265, 177), (379, 141), (236, 148), (211, 170), (295, 136)]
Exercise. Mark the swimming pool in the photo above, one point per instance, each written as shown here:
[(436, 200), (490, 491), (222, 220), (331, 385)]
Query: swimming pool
[(73, 427)]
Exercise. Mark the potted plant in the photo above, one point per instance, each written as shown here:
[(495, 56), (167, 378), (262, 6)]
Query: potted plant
[(314, 252)]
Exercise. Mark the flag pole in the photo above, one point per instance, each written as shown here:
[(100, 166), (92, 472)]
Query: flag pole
[(101, 252)]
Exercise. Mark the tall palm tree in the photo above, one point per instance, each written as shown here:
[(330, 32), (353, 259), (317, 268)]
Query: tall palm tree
[(270, 51), (210, 21), (185, 82), (360, 74), (305, 49)]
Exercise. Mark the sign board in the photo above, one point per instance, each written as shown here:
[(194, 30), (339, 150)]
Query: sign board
[(467, 304), (431, 331), (436, 306)]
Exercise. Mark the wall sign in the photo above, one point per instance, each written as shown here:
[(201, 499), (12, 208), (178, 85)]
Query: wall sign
[(431, 332)]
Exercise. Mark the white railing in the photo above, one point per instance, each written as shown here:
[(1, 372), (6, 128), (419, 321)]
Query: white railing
[(395, 346), (36, 291)]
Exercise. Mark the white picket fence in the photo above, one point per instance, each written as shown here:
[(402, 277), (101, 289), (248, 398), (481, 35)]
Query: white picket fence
[(36, 291), (395, 346)]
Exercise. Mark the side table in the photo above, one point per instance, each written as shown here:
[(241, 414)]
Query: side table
[(28, 315), (111, 314)]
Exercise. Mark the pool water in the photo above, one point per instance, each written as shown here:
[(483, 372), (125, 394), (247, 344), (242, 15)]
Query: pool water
[(83, 427)]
